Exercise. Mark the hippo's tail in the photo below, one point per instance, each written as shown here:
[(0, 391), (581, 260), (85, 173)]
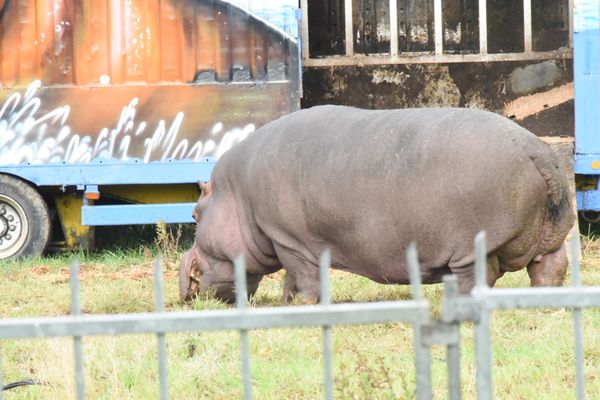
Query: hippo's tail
[(559, 208)]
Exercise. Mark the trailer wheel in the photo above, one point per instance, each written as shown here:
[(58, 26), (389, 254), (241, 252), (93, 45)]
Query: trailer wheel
[(24, 220)]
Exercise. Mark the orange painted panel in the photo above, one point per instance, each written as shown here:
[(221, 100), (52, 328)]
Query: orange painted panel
[(102, 42), (170, 39)]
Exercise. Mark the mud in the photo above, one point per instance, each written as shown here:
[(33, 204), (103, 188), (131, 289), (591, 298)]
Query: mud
[(489, 86)]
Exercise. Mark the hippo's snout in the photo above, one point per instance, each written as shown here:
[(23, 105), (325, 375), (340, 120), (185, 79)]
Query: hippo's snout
[(189, 276)]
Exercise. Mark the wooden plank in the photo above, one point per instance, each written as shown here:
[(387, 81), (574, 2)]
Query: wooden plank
[(428, 58)]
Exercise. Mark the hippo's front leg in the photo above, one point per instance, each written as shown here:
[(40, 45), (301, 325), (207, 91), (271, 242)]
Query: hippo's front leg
[(549, 269), (301, 278)]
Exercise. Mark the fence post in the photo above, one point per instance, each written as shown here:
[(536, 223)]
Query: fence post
[(422, 359), (159, 306), (76, 311), (483, 346), (577, 323), (240, 301), (324, 265), (452, 350)]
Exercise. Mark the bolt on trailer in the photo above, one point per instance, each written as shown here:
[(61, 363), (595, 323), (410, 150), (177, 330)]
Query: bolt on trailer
[(111, 112)]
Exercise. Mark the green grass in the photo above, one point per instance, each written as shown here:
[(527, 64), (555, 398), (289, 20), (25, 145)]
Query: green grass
[(533, 349)]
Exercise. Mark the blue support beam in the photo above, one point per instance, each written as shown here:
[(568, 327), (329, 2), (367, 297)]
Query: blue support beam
[(113, 172), (131, 214)]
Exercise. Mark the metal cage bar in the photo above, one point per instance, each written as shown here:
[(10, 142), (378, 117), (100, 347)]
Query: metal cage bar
[(483, 46), (394, 44), (438, 27), (349, 25), (304, 34), (527, 33)]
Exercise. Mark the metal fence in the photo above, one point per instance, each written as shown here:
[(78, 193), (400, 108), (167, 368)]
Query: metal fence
[(456, 309)]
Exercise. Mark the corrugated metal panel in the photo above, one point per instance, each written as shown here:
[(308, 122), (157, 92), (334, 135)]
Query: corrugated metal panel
[(117, 41)]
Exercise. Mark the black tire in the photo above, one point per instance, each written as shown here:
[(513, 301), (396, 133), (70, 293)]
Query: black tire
[(24, 220)]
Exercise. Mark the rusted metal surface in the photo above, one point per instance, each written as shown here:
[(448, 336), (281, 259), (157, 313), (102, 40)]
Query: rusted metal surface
[(152, 79)]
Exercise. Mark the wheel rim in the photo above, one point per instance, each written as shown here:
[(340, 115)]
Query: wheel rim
[(14, 227)]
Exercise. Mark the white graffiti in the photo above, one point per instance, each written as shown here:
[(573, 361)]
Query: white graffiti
[(26, 137)]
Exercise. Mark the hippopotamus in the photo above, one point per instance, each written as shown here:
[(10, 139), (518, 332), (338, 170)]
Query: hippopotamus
[(365, 184)]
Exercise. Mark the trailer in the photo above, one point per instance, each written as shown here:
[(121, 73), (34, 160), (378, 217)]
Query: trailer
[(587, 107), (112, 111)]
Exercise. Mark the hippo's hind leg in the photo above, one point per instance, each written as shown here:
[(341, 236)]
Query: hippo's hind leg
[(549, 269), (466, 274), (301, 277)]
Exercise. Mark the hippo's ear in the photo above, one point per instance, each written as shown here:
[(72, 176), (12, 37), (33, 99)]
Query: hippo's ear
[(205, 188)]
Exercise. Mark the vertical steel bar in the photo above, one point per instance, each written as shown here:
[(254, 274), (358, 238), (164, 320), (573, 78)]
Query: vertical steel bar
[(527, 26), (304, 33), (159, 306), (578, 324), (76, 311), (570, 13), (394, 46), (483, 346), (422, 358), (240, 301), (324, 265), (438, 27), (349, 28), (453, 350), (483, 47)]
